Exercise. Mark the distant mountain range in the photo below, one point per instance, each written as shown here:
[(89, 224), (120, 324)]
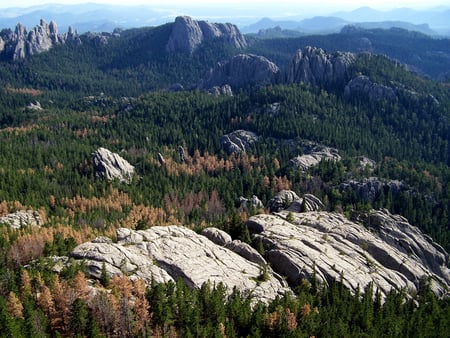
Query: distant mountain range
[(105, 18)]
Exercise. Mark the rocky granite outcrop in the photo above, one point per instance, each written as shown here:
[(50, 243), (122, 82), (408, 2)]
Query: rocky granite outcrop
[(241, 71), (391, 254), (238, 141), (312, 155), (221, 90), (253, 202), (313, 65), (22, 218), (20, 44), (187, 34), (368, 189), (363, 86), (110, 166), (289, 200), (162, 254)]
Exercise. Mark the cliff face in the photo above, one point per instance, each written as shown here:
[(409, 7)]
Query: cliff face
[(110, 166), (313, 65), (162, 254), (241, 71), (187, 34), (380, 248), (19, 44), (376, 248)]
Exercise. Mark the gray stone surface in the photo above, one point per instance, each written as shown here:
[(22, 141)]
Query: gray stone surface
[(254, 202), (217, 236), (221, 90), (19, 44), (363, 86), (187, 34), (110, 166), (369, 188), (238, 141), (313, 65), (282, 200), (312, 155), (22, 219), (167, 253), (392, 254), (241, 71)]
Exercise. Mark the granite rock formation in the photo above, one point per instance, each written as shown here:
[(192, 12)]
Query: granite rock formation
[(22, 219), (187, 34), (162, 254), (313, 65), (312, 155), (110, 166), (241, 71), (390, 253), (363, 86), (238, 141), (20, 44), (368, 189)]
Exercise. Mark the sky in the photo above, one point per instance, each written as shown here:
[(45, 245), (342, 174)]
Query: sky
[(294, 4)]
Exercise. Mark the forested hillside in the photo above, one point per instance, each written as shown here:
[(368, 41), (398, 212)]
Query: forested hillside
[(60, 106)]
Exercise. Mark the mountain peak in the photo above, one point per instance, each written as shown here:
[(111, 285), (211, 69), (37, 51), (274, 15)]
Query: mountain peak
[(187, 34)]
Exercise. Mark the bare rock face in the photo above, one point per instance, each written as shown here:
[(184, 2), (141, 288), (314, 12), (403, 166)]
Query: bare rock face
[(392, 254), (290, 201), (369, 188), (221, 90), (282, 200), (315, 66), (168, 253), (241, 71), (312, 155), (111, 166), (22, 219), (20, 44), (253, 202), (363, 86), (238, 141), (187, 34), (217, 236)]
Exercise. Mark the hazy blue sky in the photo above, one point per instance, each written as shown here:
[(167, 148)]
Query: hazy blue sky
[(294, 4)]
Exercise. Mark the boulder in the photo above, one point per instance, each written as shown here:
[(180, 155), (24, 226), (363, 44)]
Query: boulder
[(187, 34), (217, 236), (247, 251), (391, 254), (36, 105), (241, 71), (308, 202), (22, 218), (282, 200), (160, 254), (315, 66), (239, 141), (110, 166)]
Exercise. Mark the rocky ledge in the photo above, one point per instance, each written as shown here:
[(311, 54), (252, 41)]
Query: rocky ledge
[(162, 254), (388, 251)]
